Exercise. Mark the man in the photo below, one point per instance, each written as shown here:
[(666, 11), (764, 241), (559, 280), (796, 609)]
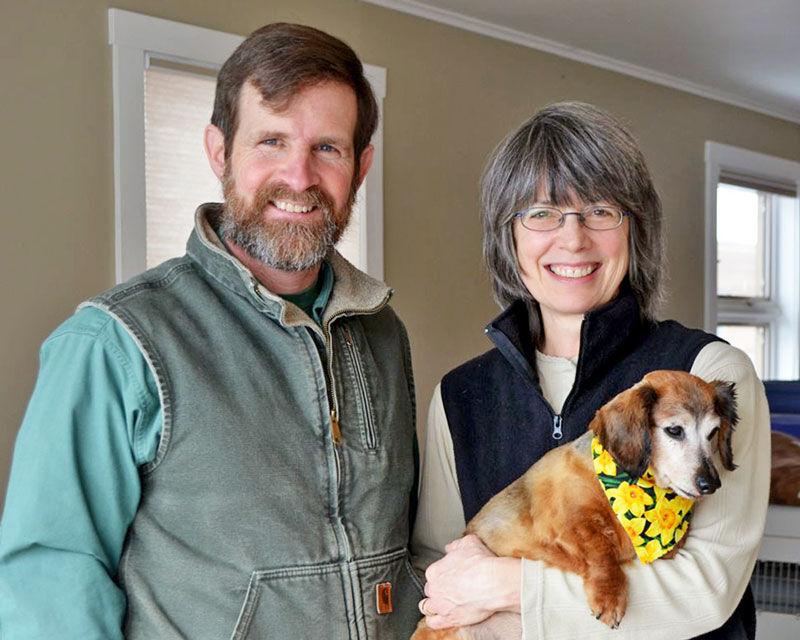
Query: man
[(222, 447)]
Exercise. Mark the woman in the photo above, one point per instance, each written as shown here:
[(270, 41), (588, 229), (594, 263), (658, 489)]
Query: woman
[(573, 243)]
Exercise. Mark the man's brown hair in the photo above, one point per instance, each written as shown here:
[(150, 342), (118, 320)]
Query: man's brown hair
[(281, 59)]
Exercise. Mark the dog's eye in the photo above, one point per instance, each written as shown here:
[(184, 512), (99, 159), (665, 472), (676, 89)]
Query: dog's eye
[(674, 431), (713, 432)]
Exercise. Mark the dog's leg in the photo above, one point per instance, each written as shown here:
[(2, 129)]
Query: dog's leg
[(606, 588), (605, 583), (593, 551)]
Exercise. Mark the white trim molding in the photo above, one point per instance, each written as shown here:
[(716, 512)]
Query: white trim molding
[(371, 241), (135, 39), (507, 34)]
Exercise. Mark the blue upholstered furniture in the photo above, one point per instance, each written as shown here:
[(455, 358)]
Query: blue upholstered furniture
[(783, 397)]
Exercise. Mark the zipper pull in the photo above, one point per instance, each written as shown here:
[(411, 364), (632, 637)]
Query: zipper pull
[(557, 434), (337, 432), (256, 290)]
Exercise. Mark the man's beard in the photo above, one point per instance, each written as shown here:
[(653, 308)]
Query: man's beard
[(283, 244)]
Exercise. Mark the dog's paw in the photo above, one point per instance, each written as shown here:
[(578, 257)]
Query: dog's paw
[(609, 606)]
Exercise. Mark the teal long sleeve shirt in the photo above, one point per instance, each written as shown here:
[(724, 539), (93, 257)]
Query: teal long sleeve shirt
[(94, 418)]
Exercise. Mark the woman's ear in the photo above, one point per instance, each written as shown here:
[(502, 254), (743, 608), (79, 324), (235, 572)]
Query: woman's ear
[(726, 408), (623, 427)]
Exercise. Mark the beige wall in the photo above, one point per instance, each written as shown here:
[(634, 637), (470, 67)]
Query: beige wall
[(451, 96)]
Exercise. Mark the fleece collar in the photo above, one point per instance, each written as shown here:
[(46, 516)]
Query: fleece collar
[(654, 518), (354, 292), (608, 333)]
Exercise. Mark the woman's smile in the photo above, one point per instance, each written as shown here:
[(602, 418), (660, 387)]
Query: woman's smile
[(573, 271)]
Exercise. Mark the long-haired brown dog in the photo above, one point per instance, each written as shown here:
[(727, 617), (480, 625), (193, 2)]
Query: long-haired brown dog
[(784, 487), (672, 422)]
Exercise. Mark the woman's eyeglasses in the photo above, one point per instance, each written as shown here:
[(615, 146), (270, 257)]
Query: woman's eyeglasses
[(596, 217)]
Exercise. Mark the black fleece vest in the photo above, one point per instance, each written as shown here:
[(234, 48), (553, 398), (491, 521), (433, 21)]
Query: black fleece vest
[(501, 424)]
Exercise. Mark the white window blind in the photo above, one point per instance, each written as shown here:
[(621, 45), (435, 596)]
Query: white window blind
[(177, 176)]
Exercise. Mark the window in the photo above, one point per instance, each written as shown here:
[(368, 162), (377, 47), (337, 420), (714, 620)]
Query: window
[(753, 257), (164, 79), (177, 107)]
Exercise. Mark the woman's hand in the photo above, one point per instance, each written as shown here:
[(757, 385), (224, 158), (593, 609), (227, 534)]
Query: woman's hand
[(469, 584)]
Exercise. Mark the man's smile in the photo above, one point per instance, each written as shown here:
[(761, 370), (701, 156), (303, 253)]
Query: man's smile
[(291, 207)]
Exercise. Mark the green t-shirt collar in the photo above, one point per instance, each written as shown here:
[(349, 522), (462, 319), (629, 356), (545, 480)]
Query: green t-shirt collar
[(314, 299)]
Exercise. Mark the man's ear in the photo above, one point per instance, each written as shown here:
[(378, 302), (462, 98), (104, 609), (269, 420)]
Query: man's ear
[(214, 144), (365, 162), (623, 427)]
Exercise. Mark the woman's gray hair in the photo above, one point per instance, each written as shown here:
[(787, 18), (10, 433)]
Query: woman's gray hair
[(566, 151)]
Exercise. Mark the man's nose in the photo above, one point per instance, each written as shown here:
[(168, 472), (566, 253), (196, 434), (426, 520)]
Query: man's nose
[(299, 171)]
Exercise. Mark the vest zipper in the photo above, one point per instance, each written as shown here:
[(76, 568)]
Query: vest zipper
[(336, 435), (557, 433), (336, 432), (336, 439), (361, 383), (333, 400), (335, 429)]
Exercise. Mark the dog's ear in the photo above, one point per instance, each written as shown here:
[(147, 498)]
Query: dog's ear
[(623, 427), (725, 406)]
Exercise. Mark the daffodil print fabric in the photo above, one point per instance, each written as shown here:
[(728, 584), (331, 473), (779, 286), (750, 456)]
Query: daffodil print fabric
[(654, 518)]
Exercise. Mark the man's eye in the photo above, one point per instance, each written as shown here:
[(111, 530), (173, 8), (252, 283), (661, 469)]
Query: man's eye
[(270, 142), (327, 148)]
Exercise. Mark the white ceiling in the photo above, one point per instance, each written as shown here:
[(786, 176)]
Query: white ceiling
[(743, 52)]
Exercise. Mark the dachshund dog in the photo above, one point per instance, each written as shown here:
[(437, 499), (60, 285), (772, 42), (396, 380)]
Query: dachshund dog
[(664, 430), (784, 486)]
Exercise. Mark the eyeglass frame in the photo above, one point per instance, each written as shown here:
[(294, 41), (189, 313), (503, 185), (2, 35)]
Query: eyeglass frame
[(581, 217)]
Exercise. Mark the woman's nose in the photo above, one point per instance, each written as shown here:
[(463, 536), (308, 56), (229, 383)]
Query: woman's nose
[(572, 234)]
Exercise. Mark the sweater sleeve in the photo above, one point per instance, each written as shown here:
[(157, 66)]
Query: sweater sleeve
[(93, 418), (440, 516), (698, 590)]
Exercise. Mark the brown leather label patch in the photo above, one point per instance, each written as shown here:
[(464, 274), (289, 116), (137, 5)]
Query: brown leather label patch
[(383, 597)]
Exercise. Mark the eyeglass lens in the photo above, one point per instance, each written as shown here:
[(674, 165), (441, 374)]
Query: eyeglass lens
[(594, 217)]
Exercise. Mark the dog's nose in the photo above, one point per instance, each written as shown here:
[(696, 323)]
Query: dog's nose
[(707, 481), (706, 484)]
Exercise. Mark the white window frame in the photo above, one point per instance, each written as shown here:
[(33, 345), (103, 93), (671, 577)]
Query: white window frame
[(781, 310), (135, 39)]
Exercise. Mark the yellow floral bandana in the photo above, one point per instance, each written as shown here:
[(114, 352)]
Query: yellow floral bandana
[(654, 518)]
